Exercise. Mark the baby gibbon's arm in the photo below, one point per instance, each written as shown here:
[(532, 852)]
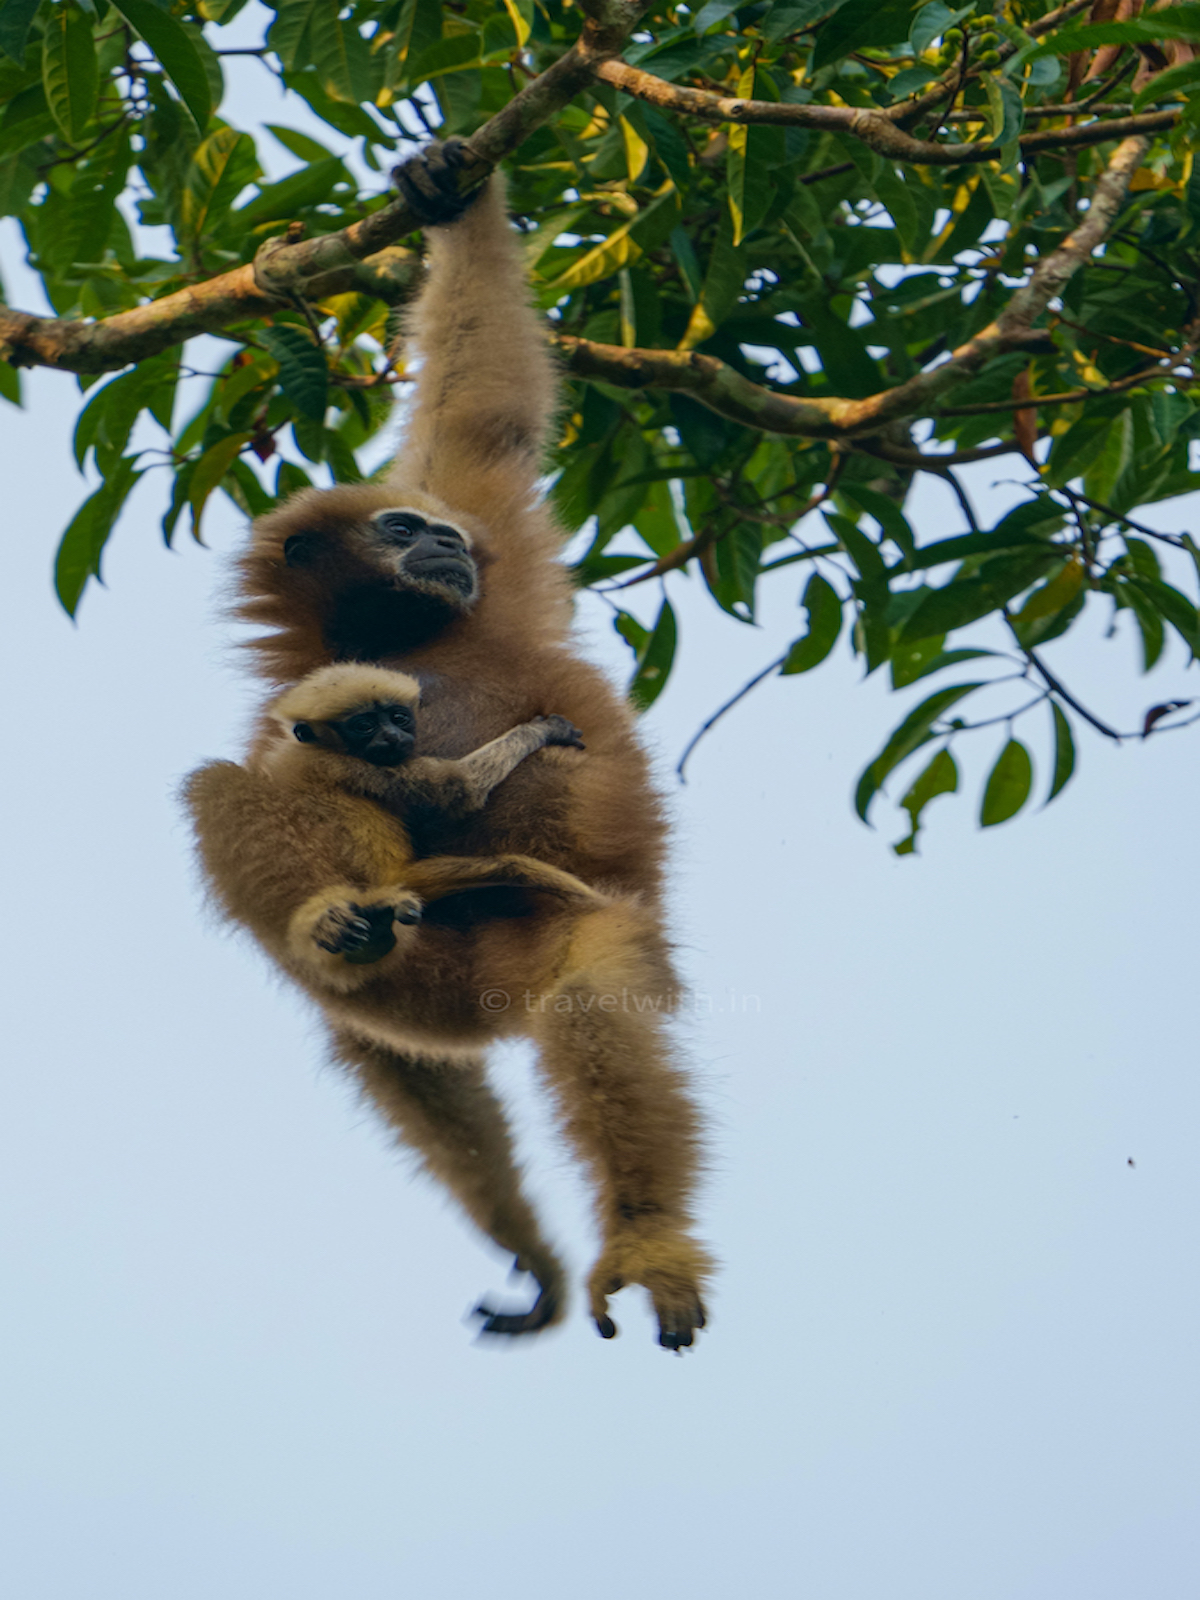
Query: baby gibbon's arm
[(457, 788)]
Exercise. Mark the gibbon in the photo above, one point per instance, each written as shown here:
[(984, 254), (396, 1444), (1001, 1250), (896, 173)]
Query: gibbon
[(448, 571), (344, 753)]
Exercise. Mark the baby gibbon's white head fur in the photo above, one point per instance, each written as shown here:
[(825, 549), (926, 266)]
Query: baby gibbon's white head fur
[(332, 693)]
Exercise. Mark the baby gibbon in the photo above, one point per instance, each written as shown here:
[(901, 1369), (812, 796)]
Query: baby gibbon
[(347, 735), (448, 570)]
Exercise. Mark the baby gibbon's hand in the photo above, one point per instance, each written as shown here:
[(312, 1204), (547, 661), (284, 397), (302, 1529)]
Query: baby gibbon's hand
[(559, 731)]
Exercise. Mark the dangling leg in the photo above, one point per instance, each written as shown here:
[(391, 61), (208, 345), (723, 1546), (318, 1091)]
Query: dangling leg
[(604, 1048), (445, 1111)]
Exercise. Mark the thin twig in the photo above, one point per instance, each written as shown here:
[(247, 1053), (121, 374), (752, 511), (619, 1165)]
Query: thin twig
[(720, 712)]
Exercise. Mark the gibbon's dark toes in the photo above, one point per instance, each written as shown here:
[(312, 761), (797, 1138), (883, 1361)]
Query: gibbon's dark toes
[(606, 1327), (429, 182), (539, 1314), (678, 1327), (409, 916)]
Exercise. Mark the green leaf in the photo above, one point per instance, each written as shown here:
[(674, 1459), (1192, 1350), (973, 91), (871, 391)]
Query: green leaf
[(69, 72), (885, 512), (1183, 22), (210, 469), (864, 552), (1148, 620), (340, 457), (286, 35), (299, 144), (1064, 753), (1174, 606), (176, 53), (654, 660), (939, 777), (723, 282), (635, 635), (911, 663), (82, 545), (1008, 785), (913, 732), (862, 22), (1100, 479), (303, 372), (309, 187), (1174, 81), (824, 607), (955, 605), (15, 18)]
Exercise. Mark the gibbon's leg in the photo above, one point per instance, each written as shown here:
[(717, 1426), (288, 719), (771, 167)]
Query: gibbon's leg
[(445, 1111), (437, 876), (460, 787), (624, 1105), (486, 389)]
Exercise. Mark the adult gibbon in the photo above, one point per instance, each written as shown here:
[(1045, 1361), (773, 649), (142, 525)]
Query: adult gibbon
[(448, 572), (343, 759)]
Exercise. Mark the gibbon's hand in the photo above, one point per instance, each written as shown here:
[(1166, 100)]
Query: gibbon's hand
[(363, 932), (431, 182), (559, 731)]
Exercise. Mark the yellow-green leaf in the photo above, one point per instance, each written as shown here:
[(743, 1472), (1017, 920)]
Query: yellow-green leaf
[(520, 14)]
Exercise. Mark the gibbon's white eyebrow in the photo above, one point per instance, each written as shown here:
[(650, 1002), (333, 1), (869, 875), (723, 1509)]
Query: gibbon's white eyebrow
[(432, 522)]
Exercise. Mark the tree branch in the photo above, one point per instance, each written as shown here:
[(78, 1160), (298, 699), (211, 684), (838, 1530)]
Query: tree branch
[(329, 264), (874, 129)]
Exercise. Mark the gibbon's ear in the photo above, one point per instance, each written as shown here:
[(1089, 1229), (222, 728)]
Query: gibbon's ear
[(305, 733)]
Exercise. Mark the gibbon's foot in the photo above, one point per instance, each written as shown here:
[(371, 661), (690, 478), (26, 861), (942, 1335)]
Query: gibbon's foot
[(429, 182), (363, 933), (559, 731), (544, 1310), (671, 1266)]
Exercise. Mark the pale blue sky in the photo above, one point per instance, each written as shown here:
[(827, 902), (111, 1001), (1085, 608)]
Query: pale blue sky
[(952, 1350)]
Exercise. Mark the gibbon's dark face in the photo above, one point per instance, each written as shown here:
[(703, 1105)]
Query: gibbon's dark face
[(392, 580), (381, 733)]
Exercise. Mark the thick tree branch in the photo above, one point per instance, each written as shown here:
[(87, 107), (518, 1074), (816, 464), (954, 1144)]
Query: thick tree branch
[(727, 392), (875, 130), (329, 264)]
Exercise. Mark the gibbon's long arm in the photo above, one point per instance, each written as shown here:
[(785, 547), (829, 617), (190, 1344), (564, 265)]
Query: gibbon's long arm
[(486, 390)]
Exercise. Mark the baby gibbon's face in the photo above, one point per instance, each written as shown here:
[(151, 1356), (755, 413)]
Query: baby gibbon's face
[(382, 733)]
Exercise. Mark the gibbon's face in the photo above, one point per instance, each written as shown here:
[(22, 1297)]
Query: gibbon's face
[(382, 733), (378, 578)]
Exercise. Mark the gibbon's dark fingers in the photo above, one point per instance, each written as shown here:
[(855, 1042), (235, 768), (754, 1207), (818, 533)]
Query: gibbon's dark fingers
[(429, 182), (561, 732)]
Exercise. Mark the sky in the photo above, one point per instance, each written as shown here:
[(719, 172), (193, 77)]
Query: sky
[(953, 1106)]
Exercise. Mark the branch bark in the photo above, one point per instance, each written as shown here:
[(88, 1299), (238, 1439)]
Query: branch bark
[(727, 392)]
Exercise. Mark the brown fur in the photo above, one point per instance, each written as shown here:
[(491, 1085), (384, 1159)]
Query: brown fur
[(591, 985)]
